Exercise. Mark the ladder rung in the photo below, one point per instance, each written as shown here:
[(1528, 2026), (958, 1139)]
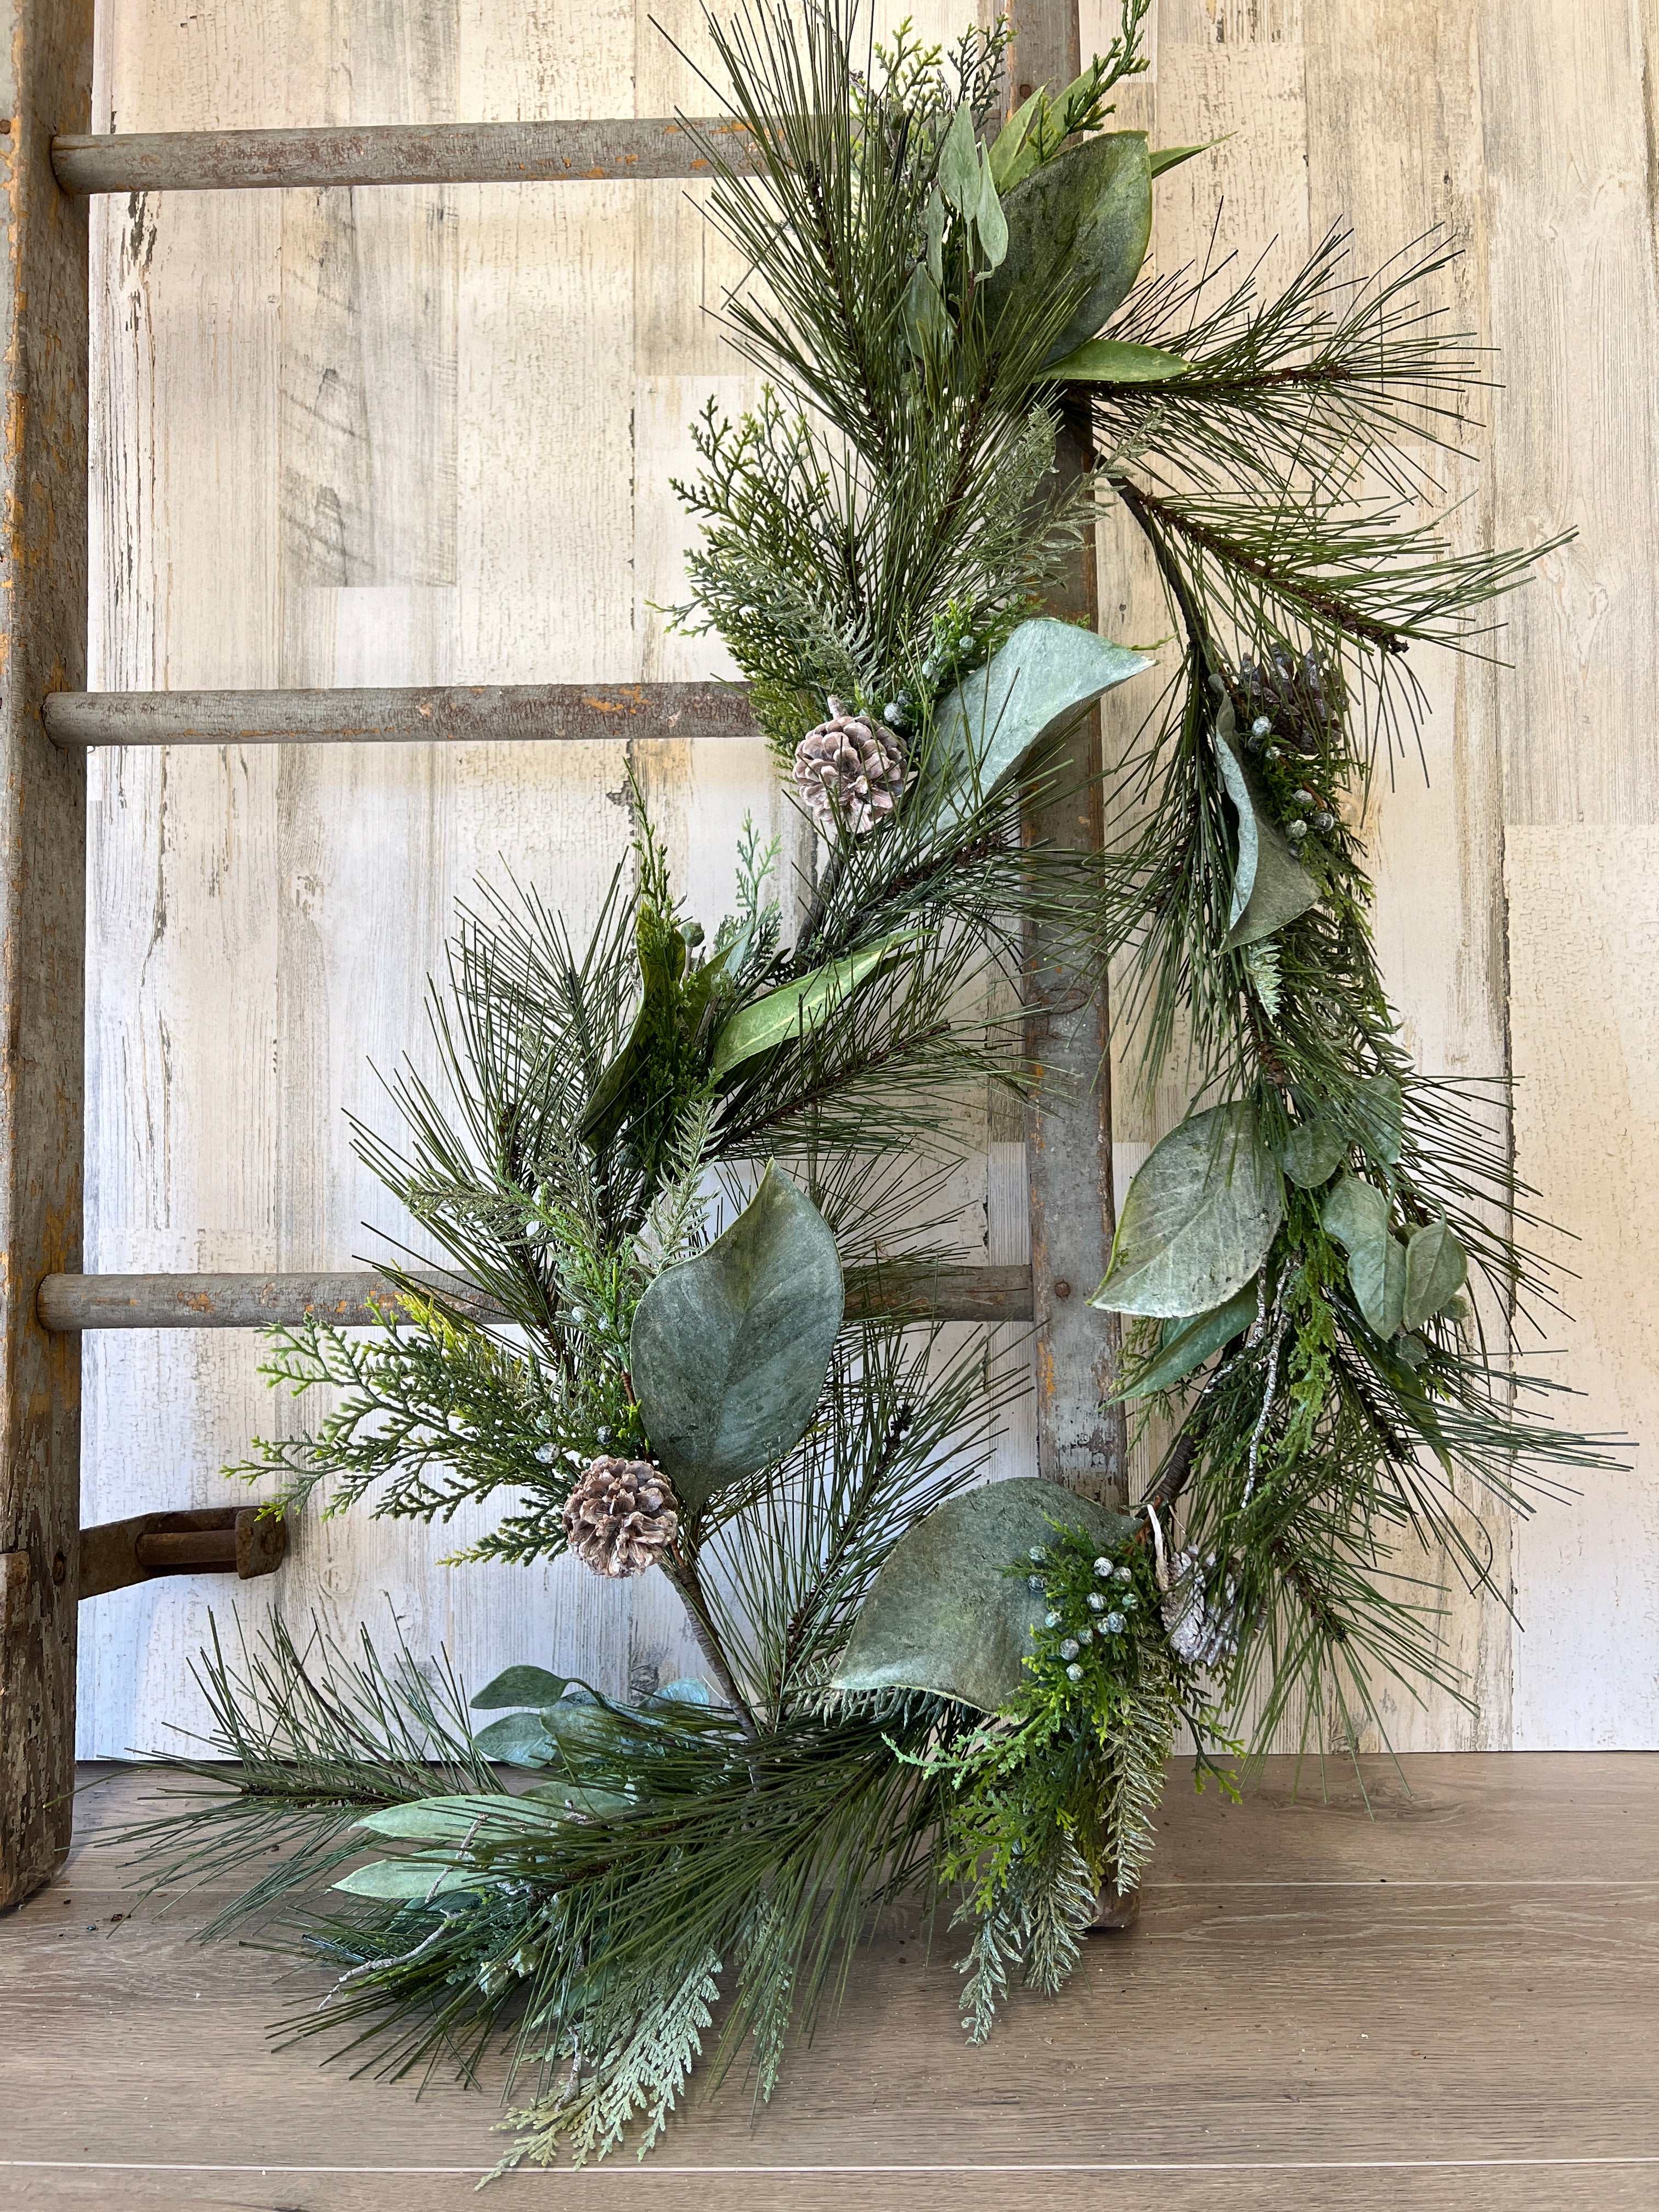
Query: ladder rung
[(455, 713), (385, 154), (67, 1304)]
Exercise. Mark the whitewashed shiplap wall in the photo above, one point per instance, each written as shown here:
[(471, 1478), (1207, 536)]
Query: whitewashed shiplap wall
[(416, 435)]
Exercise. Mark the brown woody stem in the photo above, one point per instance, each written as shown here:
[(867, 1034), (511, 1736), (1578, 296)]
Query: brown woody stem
[(682, 1573)]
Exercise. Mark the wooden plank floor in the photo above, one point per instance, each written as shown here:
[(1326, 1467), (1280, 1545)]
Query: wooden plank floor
[(1454, 2003)]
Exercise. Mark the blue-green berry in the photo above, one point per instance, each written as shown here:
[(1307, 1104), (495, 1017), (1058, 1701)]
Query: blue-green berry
[(1103, 1566), (1051, 1620), (1097, 1601), (1074, 1674), (1126, 1574), (1068, 1649), (1113, 1624)]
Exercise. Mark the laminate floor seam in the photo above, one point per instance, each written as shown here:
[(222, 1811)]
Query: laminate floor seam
[(661, 2170)]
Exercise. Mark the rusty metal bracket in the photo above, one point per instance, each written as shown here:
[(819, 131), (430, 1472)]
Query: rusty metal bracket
[(208, 1539)]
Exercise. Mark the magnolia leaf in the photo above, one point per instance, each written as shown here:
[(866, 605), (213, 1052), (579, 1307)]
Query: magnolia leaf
[(1377, 1108), (438, 1819), (990, 222), (1198, 1219), (684, 1690), (1414, 1400), (1085, 217), (1376, 1275), (577, 1797), (404, 1880), (1271, 887), (517, 1741), (729, 1350), (1163, 158), (1113, 360), (943, 1615), (662, 955), (1311, 1154), (581, 1725), (520, 1686), (798, 1008), (1436, 1268), (1356, 1213), (1007, 167), (1045, 676), (924, 317), (1192, 1343), (958, 163)]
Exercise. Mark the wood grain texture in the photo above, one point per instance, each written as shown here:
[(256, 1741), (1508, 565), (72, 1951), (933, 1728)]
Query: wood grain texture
[(68, 1304), (45, 79), (1443, 2001), (386, 153), (451, 713)]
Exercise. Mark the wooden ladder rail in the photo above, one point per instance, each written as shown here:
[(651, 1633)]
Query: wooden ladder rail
[(46, 353)]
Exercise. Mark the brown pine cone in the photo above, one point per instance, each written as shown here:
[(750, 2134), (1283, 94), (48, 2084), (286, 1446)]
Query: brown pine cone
[(621, 1516), (849, 770)]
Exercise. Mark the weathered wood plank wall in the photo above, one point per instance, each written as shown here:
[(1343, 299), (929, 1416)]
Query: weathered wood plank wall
[(421, 435)]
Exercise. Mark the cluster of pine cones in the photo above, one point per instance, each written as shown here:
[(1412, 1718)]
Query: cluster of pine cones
[(621, 1516), (849, 770)]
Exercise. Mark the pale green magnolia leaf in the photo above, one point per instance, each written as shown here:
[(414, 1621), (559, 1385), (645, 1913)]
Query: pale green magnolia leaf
[(1376, 1275), (577, 1797), (990, 222), (1113, 360), (684, 1690), (1378, 1108), (519, 1740), (1311, 1154), (1086, 216), (1192, 1345), (1356, 1213), (579, 1725), (1436, 1268), (924, 317), (1197, 1220), (439, 1819), (1271, 887), (403, 1880), (1047, 675), (1164, 158), (729, 1350), (520, 1686), (1010, 158), (942, 1615), (1401, 1375), (798, 1008), (958, 163)]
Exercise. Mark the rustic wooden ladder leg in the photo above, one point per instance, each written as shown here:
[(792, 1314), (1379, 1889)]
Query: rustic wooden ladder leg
[(43, 346), (1081, 1441)]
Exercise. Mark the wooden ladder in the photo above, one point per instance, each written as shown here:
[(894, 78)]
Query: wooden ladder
[(48, 721)]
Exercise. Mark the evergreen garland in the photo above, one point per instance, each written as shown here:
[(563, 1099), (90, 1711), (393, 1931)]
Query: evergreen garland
[(690, 1190)]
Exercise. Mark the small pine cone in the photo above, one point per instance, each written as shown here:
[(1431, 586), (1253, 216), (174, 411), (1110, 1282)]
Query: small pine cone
[(849, 770), (621, 1516)]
